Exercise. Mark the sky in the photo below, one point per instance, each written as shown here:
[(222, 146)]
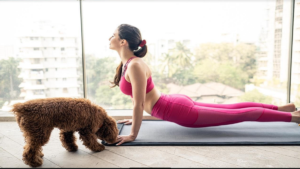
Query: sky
[(201, 21)]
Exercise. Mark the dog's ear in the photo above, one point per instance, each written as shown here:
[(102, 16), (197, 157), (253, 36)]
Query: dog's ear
[(108, 130)]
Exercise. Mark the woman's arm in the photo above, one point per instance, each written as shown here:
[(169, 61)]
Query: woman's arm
[(138, 79)]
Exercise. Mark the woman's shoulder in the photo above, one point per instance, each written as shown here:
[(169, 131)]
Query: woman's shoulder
[(141, 62), (137, 60)]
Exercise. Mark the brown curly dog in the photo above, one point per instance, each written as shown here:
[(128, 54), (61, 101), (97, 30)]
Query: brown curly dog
[(37, 118)]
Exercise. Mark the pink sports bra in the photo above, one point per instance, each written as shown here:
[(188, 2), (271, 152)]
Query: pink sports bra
[(126, 87)]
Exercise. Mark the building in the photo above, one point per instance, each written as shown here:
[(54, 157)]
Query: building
[(50, 61), (272, 57), (296, 46)]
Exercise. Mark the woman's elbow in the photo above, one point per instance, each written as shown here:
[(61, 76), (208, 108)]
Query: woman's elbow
[(139, 105)]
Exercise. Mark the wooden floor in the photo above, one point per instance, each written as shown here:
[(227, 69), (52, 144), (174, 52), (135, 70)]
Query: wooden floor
[(12, 142)]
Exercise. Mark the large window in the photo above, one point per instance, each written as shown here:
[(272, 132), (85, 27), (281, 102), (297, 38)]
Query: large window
[(39, 51), (212, 51), (295, 86)]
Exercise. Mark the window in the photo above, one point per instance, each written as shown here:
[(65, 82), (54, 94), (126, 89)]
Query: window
[(36, 61), (65, 90), (39, 81), (38, 92), (28, 29), (199, 49)]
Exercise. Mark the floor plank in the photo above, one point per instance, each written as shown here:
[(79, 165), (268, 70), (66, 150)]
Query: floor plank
[(17, 150), (246, 156), (153, 157), (280, 150), (112, 157), (181, 152), (293, 148), (8, 160)]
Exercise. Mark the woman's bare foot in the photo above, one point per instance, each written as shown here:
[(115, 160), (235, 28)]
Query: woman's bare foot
[(288, 107), (296, 117)]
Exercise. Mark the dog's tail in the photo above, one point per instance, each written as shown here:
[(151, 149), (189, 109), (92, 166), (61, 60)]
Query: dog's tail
[(17, 108)]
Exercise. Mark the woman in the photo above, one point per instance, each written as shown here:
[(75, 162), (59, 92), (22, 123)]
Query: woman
[(134, 78)]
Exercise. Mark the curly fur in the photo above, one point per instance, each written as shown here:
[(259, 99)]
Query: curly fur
[(37, 118)]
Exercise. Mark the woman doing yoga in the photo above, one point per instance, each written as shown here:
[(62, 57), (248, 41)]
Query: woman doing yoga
[(133, 76)]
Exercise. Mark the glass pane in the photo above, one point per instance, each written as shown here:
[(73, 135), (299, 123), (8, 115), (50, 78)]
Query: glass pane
[(295, 87), (212, 51), (40, 53)]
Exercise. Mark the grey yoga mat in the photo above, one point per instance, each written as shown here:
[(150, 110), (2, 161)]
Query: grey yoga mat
[(165, 133)]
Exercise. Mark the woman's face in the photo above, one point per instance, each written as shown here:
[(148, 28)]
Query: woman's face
[(114, 41)]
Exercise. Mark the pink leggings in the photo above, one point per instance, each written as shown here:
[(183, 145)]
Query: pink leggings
[(184, 111)]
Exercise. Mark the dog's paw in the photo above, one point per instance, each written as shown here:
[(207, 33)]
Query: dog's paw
[(72, 148), (41, 155), (35, 162), (99, 148)]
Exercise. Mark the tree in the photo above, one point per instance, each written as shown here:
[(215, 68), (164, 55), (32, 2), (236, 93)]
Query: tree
[(121, 101), (226, 73), (241, 55), (168, 63), (182, 55), (178, 64), (255, 96), (99, 71), (9, 81)]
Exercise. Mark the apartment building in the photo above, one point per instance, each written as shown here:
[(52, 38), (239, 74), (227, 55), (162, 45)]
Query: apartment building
[(50, 61)]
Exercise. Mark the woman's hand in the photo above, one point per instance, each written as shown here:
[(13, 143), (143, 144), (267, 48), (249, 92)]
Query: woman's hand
[(125, 121), (123, 138)]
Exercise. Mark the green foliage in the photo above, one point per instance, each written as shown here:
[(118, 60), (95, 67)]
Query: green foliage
[(232, 76), (255, 96), (241, 55), (104, 94), (121, 101), (185, 77), (210, 70), (99, 71), (9, 81), (178, 58)]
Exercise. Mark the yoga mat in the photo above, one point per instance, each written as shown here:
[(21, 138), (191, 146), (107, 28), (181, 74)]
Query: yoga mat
[(165, 133)]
